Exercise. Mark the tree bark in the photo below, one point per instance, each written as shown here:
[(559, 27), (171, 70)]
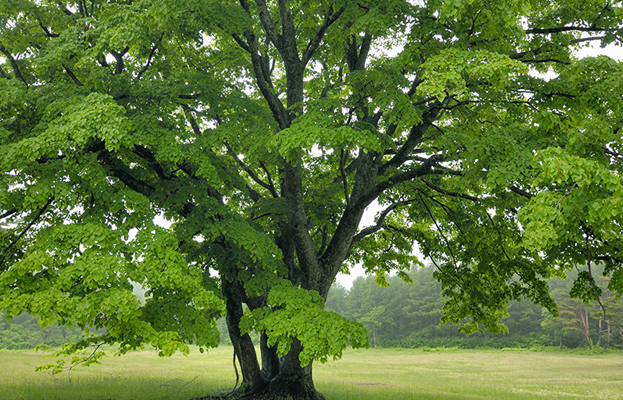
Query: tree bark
[(584, 324), (253, 380), (278, 377), (293, 380), (600, 332), (270, 361)]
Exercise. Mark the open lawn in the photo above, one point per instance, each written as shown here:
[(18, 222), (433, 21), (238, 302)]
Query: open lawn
[(361, 375)]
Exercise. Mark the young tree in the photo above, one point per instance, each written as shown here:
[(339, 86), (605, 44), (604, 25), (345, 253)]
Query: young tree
[(566, 326), (373, 319), (263, 130)]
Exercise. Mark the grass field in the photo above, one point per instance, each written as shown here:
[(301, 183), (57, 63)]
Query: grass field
[(361, 375)]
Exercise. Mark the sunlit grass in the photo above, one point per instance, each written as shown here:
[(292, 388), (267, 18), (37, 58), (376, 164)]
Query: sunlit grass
[(360, 375), (470, 374), (135, 376)]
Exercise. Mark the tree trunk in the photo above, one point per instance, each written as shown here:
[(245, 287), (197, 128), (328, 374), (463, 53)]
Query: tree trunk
[(253, 380), (600, 332), (278, 378), (270, 360), (294, 381), (584, 325), (375, 337)]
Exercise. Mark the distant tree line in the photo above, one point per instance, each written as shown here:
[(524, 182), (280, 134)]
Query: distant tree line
[(408, 315), (23, 332)]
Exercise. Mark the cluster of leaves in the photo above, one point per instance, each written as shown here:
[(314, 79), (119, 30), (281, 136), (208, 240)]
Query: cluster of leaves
[(291, 312)]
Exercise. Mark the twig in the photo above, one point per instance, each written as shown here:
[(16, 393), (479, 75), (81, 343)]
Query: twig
[(449, 193), (439, 229), (565, 195), (151, 54), (237, 376), (88, 358), (189, 382), (34, 220)]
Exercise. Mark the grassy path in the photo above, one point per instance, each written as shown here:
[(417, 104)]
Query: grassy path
[(361, 375)]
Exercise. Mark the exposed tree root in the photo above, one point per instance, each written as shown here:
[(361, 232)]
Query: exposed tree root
[(269, 391)]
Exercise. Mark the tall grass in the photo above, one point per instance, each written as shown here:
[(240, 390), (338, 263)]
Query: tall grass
[(360, 375)]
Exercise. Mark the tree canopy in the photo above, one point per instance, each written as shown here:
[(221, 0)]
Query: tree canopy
[(263, 130)]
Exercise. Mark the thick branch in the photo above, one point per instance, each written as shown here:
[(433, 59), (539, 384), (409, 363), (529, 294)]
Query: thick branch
[(537, 51), (276, 107), (363, 52), (46, 30), (423, 169), (415, 137), (350, 168), (119, 58), (380, 222), (8, 213), (269, 26), (248, 170), (293, 192), (190, 170), (448, 193), (548, 60), (521, 192), (317, 39), (191, 119), (342, 241), (16, 71), (149, 156), (120, 171), (241, 42), (329, 86), (288, 38), (563, 29), (344, 180), (72, 76), (356, 58), (151, 54)]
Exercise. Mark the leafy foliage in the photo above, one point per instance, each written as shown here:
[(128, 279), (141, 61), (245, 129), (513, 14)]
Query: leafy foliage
[(260, 132)]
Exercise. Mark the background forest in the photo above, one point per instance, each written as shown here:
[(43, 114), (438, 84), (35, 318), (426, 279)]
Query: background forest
[(408, 315), (23, 332)]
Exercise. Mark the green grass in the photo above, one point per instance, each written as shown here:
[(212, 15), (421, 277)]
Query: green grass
[(360, 375)]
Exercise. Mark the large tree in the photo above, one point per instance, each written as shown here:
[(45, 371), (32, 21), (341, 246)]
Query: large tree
[(261, 131)]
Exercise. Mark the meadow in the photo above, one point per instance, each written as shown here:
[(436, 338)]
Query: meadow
[(367, 374)]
